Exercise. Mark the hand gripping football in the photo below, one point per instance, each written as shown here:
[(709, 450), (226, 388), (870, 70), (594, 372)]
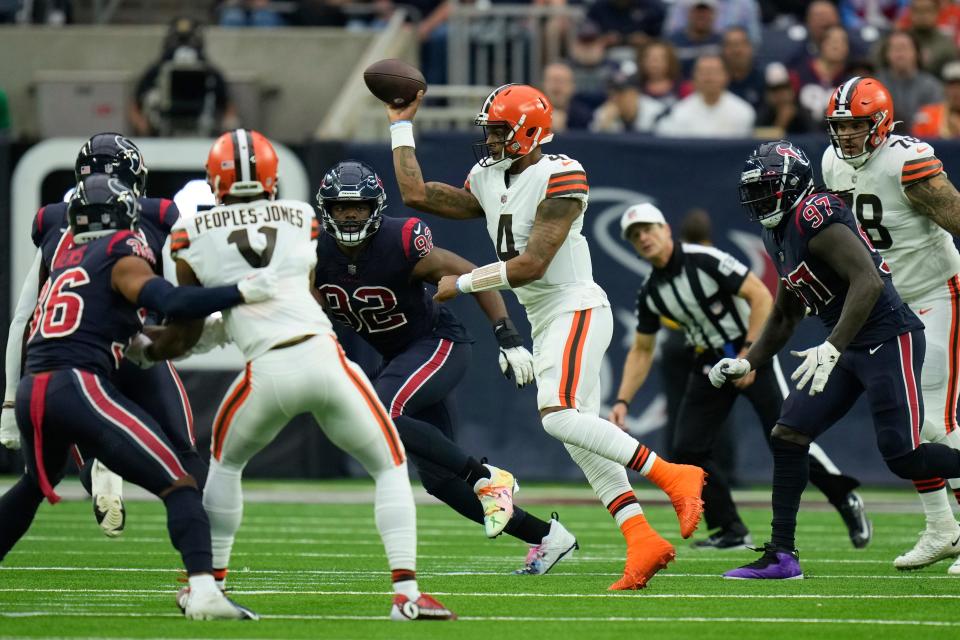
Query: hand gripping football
[(394, 81)]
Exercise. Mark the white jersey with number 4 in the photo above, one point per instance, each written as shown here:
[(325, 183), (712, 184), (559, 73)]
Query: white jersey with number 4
[(229, 242), (921, 254), (510, 204)]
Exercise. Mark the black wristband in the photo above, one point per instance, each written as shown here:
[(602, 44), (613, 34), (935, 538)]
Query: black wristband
[(507, 335), (621, 401)]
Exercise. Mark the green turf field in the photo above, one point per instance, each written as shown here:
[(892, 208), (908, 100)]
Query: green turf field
[(316, 570)]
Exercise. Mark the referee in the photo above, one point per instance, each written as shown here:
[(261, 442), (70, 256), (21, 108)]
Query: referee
[(721, 307)]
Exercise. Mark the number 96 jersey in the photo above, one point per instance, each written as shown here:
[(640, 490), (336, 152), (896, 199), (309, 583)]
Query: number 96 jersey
[(920, 253), (229, 242), (510, 204)]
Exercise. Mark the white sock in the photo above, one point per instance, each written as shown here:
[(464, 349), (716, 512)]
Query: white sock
[(936, 506), (407, 588), (608, 480), (223, 502), (592, 433), (396, 517), (202, 583)]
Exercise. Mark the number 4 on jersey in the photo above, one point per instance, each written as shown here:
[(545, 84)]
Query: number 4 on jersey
[(505, 246)]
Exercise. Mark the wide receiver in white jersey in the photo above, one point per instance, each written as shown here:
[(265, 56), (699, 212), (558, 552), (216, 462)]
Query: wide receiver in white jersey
[(294, 363), (908, 207), (533, 204)]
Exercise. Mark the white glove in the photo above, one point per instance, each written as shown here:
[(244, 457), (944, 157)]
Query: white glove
[(518, 363), (259, 286), (214, 334), (817, 363), (728, 369), (9, 432), (136, 351)]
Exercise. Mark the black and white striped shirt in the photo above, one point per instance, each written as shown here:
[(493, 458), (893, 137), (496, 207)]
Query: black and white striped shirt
[(697, 289)]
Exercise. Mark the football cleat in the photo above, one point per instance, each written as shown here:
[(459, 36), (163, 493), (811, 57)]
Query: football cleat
[(854, 516), (774, 564), (496, 497), (211, 605), (647, 553), (724, 540), (555, 546), (425, 607), (934, 545), (108, 508), (954, 569), (683, 484)]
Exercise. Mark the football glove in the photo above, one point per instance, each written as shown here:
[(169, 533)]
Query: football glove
[(9, 432), (214, 334), (728, 369), (136, 351), (817, 363), (515, 361), (259, 286)]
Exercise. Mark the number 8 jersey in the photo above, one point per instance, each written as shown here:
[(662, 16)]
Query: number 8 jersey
[(510, 203), (229, 242), (920, 253)]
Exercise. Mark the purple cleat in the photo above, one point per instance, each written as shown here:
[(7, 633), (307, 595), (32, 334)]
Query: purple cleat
[(774, 564)]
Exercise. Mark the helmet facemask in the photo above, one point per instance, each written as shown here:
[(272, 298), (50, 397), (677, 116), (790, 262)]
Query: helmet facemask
[(523, 113), (351, 182), (871, 142), (351, 233), (769, 190)]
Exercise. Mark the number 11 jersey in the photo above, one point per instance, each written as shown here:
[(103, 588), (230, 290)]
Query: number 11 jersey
[(920, 253), (510, 204), (229, 242)]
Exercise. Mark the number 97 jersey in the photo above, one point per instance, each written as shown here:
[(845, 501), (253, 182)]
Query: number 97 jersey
[(920, 253), (225, 244)]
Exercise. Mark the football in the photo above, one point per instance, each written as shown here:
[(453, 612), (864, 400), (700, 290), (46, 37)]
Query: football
[(394, 81)]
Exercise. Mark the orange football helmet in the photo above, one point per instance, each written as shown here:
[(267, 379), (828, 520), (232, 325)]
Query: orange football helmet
[(242, 163), (860, 99), (525, 112)]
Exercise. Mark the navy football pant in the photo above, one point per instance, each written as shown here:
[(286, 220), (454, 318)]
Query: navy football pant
[(57, 409), (417, 389)]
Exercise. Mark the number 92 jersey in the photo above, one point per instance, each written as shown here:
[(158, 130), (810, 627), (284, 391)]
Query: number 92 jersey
[(920, 253), (510, 204), (229, 242)]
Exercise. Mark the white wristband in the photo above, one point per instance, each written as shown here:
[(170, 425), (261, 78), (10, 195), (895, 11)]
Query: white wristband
[(486, 278), (401, 134)]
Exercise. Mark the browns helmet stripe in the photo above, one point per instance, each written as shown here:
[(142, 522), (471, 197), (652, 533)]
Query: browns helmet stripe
[(845, 94), (242, 150)]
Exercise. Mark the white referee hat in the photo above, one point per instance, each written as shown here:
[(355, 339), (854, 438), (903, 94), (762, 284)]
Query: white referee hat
[(645, 212)]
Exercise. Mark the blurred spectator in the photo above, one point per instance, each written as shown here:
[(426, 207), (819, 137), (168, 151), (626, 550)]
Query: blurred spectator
[(782, 12), (948, 19), (780, 115), (936, 47), (700, 37), (627, 22), (48, 12), (182, 93), (249, 13), (710, 111), (817, 78), (587, 55), (821, 15), (941, 120), (746, 79), (880, 14), (626, 109), (909, 86), (730, 13), (560, 89), (659, 72)]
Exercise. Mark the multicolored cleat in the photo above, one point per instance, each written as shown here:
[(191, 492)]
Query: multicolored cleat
[(555, 546), (496, 497)]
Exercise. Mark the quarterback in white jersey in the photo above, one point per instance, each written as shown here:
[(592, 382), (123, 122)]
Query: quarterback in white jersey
[(906, 204), (294, 363), (534, 205)]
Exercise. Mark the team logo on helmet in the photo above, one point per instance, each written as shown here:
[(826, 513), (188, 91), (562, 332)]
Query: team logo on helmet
[(788, 151)]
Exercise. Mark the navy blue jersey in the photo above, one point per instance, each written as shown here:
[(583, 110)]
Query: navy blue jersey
[(374, 293), (80, 321), (818, 286), (157, 216)]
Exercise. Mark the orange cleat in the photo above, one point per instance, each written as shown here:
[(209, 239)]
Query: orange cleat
[(683, 484), (647, 553)]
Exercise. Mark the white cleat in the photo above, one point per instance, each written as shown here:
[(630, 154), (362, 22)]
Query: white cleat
[(954, 569), (108, 507), (496, 497), (555, 546), (211, 604), (934, 545), (426, 607)]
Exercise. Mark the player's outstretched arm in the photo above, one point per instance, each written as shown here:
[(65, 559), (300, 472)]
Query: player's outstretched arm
[(440, 262), (636, 368), (937, 199), (788, 311), (437, 198), (849, 258)]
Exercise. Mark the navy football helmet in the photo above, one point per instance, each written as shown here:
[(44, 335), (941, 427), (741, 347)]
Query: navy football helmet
[(351, 181), (775, 178), (102, 205), (115, 155)]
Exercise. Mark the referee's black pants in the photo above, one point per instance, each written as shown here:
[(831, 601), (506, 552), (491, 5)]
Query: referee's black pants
[(704, 409)]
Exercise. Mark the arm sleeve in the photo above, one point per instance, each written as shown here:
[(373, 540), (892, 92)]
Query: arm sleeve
[(187, 302), (647, 320), (21, 315), (417, 240)]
